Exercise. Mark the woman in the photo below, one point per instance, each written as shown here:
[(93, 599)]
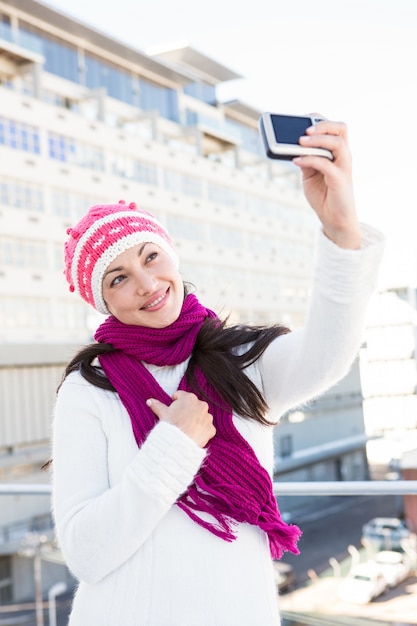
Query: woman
[(162, 449)]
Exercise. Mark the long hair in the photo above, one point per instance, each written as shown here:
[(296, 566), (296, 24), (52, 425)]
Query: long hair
[(222, 353)]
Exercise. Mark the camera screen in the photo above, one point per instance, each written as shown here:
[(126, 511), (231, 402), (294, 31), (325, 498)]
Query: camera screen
[(289, 129)]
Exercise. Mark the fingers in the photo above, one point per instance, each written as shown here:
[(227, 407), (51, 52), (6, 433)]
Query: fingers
[(330, 136), (188, 413), (328, 127), (157, 407)]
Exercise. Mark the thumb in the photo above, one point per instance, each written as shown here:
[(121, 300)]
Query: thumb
[(156, 406)]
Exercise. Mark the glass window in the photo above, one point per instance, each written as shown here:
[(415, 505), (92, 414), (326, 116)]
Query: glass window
[(146, 173), (183, 183), (68, 314), (224, 195), (117, 82), (5, 27), (192, 186), (21, 195), (122, 165), (261, 244), (184, 228), (172, 181), (71, 204), (60, 57), (19, 136), (285, 446), (23, 253), (250, 139), (224, 236), (256, 205), (68, 150), (201, 91), (156, 98), (40, 313)]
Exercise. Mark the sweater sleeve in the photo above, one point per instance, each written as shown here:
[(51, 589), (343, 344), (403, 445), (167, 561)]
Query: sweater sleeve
[(99, 526), (301, 365)]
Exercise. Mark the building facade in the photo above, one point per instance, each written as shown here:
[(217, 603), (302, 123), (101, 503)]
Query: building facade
[(389, 375)]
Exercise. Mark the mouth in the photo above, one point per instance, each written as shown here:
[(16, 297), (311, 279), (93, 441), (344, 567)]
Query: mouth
[(157, 301)]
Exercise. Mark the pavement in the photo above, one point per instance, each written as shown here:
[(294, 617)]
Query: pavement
[(317, 604)]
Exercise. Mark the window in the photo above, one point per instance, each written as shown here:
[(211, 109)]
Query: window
[(21, 195), (19, 136), (60, 57), (117, 82), (227, 237), (201, 91), (285, 446), (127, 167), (5, 27), (41, 314), (184, 228), (183, 183), (23, 253), (152, 97), (68, 150), (224, 195), (262, 245), (250, 139), (71, 204), (146, 173)]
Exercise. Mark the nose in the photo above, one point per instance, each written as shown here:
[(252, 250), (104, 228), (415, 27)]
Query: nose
[(145, 283)]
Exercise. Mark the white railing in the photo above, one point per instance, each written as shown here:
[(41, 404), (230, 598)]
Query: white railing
[(324, 488)]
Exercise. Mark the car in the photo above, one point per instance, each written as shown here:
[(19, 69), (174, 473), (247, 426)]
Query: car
[(364, 583), (285, 578), (385, 533), (394, 566)]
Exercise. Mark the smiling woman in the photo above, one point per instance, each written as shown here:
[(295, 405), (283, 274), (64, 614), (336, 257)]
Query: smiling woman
[(162, 493)]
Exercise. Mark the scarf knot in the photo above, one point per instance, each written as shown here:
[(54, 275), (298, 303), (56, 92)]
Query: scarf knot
[(231, 486)]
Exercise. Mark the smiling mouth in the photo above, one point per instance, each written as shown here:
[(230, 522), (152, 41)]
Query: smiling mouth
[(156, 301)]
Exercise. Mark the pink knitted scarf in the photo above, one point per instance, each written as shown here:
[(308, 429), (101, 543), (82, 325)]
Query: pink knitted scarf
[(231, 485)]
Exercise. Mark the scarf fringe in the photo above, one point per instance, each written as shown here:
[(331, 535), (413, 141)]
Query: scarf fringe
[(201, 497)]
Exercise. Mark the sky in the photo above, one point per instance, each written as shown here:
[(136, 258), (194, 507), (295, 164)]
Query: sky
[(350, 60)]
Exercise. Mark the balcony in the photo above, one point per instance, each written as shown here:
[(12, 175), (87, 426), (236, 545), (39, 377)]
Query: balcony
[(215, 135)]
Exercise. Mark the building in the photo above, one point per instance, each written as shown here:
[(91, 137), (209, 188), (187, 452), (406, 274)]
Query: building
[(324, 440), (389, 375), (87, 119)]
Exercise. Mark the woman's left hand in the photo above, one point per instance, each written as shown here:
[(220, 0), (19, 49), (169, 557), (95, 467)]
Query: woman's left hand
[(328, 184)]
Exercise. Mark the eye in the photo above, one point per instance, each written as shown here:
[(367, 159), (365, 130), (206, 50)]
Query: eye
[(117, 280), (151, 257)]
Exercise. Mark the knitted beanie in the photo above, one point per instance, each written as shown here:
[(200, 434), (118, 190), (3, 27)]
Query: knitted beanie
[(99, 237)]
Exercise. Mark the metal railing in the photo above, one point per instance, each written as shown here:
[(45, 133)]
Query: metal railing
[(310, 488)]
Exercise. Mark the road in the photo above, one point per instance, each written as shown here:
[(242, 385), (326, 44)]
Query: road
[(328, 530), (331, 526)]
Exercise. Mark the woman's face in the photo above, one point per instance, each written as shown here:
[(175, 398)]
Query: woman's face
[(142, 286)]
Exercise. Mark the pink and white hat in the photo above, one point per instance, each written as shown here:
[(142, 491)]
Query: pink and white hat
[(99, 237)]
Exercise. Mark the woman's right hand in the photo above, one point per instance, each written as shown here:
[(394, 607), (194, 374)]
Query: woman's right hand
[(188, 413)]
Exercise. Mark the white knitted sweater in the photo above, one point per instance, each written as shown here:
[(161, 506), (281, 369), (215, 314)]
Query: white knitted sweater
[(140, 560)]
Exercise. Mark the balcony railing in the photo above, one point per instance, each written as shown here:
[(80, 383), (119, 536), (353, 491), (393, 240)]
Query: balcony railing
[(309, 605), (323, 488)]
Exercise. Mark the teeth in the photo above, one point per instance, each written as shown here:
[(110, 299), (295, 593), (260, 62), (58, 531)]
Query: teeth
[(155, 302)]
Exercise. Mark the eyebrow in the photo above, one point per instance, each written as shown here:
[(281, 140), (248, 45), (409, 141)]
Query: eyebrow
[(119, 269)]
